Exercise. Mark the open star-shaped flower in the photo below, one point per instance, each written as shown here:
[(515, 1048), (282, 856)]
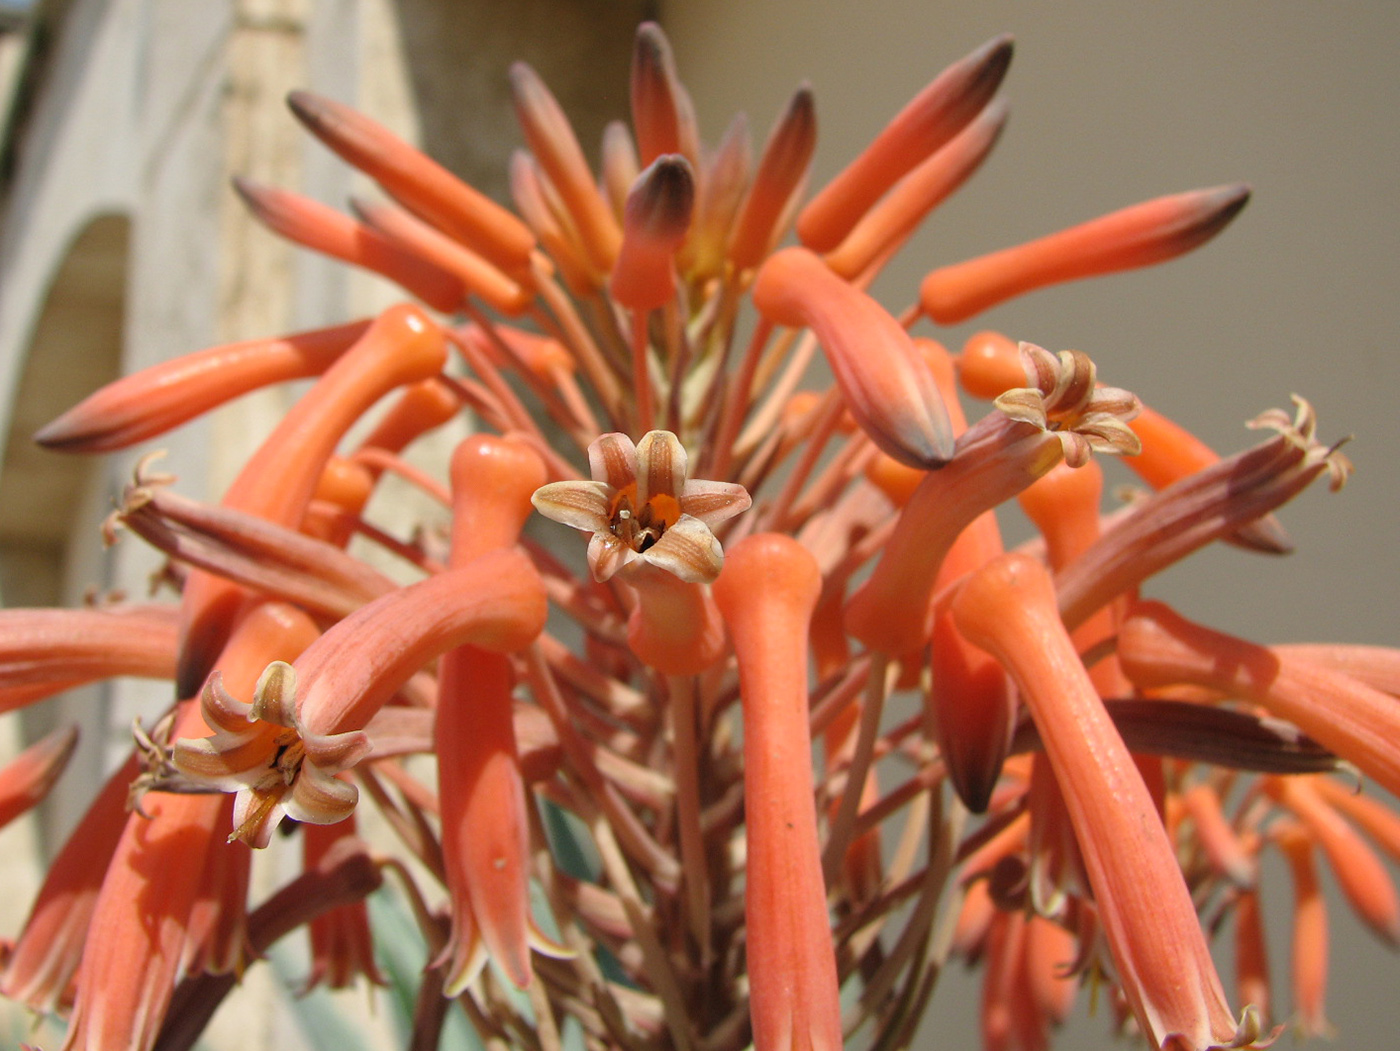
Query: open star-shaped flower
[(640, 506)]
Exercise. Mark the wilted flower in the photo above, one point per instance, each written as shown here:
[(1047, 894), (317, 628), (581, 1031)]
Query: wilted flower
[(627, 812)]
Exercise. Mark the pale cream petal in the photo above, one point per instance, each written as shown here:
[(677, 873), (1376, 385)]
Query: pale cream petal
[(612, 458), (227, 764), (275, 696), (661, 466), (583, 505), (689, 551), (607, 554), (336, 752), (222, 710), (1024, 404), (713, 502), (320, 798), (256, 815)]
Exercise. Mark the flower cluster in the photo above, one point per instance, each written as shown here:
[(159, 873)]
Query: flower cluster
[(669, 801)]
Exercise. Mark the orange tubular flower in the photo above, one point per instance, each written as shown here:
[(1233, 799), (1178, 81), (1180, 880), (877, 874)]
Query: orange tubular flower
[(325, 230), (402, 346), (174, 894), (1361, 875), (46, 955), (1309, 932), (27, 778), (1158, 647), (931, 118), (157, 399), (552, 141), (990, 365), (654, 225), (418, 182), (1061, 418), (661, 109), (767, 594), (1143, 234), (46, 651), (341, 944), (323, 702), (485, 820), (477, 275), (1214, 502), (778, 179), (886, 226), (1161, 956), (887, 387), (653, 524)]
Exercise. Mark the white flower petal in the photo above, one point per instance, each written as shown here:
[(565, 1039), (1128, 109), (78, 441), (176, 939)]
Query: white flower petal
[(689, 551), (661, 466), (612, 458), (713, 502), (583, 505)]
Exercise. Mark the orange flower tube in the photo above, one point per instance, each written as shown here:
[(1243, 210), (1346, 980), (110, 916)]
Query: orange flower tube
[(1009, 609), (893, 220), (655, 222), (157, 399), (342, 947), (887, 386), (45, 651), (485, 816), (46, 954), (778, 178), (552, 141), (1361, 875), (1310, 935), (495, 601), (477, 274), (173, 895), (767, 594), (662, 115), (1158, 647), (26, 779), (418, 182), (931, 118), (402, 346), (323, 229), (1151, 232)]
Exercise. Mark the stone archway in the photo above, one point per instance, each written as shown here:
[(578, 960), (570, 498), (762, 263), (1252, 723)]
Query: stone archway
[(51, 503)]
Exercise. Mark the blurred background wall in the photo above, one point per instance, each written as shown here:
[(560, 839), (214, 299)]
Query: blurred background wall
[(121, 245)]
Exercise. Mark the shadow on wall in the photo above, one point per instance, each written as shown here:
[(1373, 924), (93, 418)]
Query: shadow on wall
[(50, 503), (460, 73)]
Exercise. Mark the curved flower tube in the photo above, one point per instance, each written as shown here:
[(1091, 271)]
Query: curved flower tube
[(885, 384), (1162, 959), (402, 346)]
